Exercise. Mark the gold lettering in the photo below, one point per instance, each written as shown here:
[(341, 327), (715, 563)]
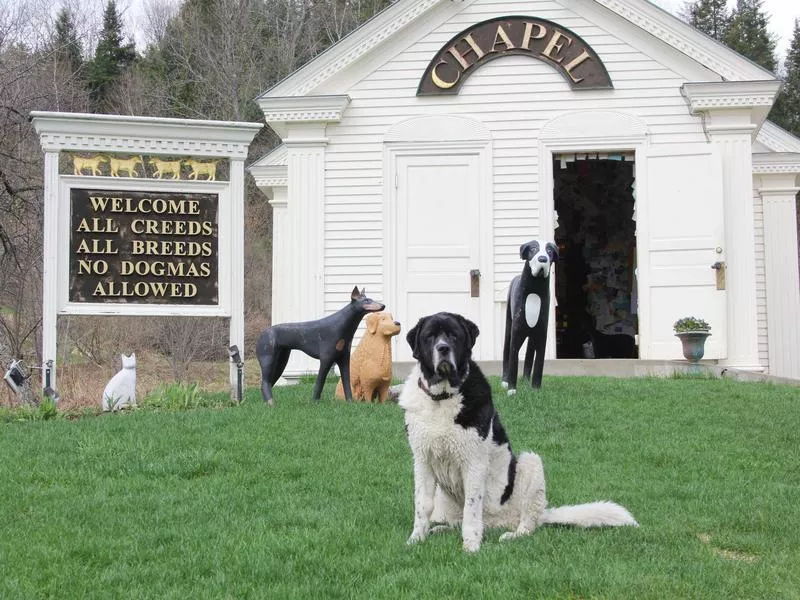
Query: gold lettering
[(554, 44), (574, 63), (194, 207), (108, 226), (189, 290), (97, 247), (99, 290), (117, 205), (99, 203), (504, 39), (527, 36), (206, 249), (473, 48), (437, 81), (98, 267), (208, 229), (159, 288), (205, 269)]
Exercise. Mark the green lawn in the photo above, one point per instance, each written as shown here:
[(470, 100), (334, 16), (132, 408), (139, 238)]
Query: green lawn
[(315, 500)]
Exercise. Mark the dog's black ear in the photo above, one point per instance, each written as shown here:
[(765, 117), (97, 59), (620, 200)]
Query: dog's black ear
[(355, 294), (472, 330), (528, 250), (411, 336), (552, 250)]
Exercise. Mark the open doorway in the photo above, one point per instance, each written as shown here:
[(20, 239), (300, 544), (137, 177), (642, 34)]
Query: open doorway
[(596, 311)]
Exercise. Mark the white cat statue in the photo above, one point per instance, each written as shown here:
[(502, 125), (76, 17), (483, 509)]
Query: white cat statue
[(121, 389)]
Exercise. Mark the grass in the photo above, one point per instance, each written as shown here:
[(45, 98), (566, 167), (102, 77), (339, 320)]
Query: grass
[(315, 500)]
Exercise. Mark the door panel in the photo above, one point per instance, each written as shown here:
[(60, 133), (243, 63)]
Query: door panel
[(437, 243), (686, 235)]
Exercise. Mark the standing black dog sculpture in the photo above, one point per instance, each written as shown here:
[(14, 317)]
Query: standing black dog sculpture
[(327, 339), (527, 314)]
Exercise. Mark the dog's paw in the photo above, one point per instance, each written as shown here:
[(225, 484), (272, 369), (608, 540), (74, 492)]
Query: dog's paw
[(511, 535), (415, 538), (439, 529), (472, 546), (512, 392), (504, 384)]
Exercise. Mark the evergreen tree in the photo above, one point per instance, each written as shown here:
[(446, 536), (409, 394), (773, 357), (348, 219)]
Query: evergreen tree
[(786, 112), (66, 45), (111, 58), (747, 34), (709, 16)]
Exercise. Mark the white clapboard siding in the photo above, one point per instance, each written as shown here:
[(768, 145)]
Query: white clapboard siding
[(513, 97), (761, 281)]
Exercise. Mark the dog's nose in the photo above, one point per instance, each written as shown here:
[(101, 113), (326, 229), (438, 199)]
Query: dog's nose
[(442, 348), (397, 323), (543, 259)]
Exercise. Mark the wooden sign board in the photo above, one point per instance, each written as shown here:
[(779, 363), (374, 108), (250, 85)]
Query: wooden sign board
[(143, 247)]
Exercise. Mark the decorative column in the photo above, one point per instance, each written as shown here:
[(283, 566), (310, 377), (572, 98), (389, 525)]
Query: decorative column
[(776, 182), (298, 288), (237, 266), (50, 265), (732, 112)]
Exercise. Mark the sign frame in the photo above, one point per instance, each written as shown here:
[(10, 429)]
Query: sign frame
[(199, 143)]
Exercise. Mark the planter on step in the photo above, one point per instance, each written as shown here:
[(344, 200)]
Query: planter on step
[(693, 344)]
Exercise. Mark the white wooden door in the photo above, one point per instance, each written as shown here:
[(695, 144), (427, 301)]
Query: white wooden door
[(437, 238), (685, 238)]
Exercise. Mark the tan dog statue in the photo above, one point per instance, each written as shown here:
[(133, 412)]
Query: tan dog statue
[(371, 362)]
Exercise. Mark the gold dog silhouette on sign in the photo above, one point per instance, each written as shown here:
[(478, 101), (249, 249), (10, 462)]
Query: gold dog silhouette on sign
[(166, 167), (127, 165), (199, 167), (80, 163)]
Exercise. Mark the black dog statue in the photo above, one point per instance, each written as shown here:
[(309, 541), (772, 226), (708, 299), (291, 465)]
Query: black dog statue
[(527, 314), (327, 339)]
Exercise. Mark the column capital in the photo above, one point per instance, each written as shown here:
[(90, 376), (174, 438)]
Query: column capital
[(777, 171), (731, 106), (279, 112)]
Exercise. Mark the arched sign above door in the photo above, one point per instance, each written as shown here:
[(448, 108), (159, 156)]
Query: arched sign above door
[(537, 38)]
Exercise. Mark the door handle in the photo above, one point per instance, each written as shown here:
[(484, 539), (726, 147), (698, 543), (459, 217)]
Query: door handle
[(719, 267), (475, 283)]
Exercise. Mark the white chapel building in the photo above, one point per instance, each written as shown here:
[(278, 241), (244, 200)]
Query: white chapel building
[(424, 148)]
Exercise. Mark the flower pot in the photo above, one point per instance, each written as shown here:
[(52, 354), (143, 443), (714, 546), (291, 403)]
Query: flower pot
[(693, 344)]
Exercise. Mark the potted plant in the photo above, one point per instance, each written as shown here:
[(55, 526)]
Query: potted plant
[(692, 333)]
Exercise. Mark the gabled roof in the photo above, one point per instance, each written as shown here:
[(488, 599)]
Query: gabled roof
[(391, 21), (777, 139)]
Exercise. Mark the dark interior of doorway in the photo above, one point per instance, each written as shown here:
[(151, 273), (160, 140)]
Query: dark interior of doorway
[(596, 312)]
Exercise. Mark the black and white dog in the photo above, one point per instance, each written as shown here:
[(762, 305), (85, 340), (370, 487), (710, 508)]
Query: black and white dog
[(527, 314), (464, 470)]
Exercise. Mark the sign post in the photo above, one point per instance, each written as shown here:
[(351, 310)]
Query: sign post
[(143, 216)]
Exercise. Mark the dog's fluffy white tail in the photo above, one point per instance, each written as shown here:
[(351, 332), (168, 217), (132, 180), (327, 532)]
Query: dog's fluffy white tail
[(592, 514)]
